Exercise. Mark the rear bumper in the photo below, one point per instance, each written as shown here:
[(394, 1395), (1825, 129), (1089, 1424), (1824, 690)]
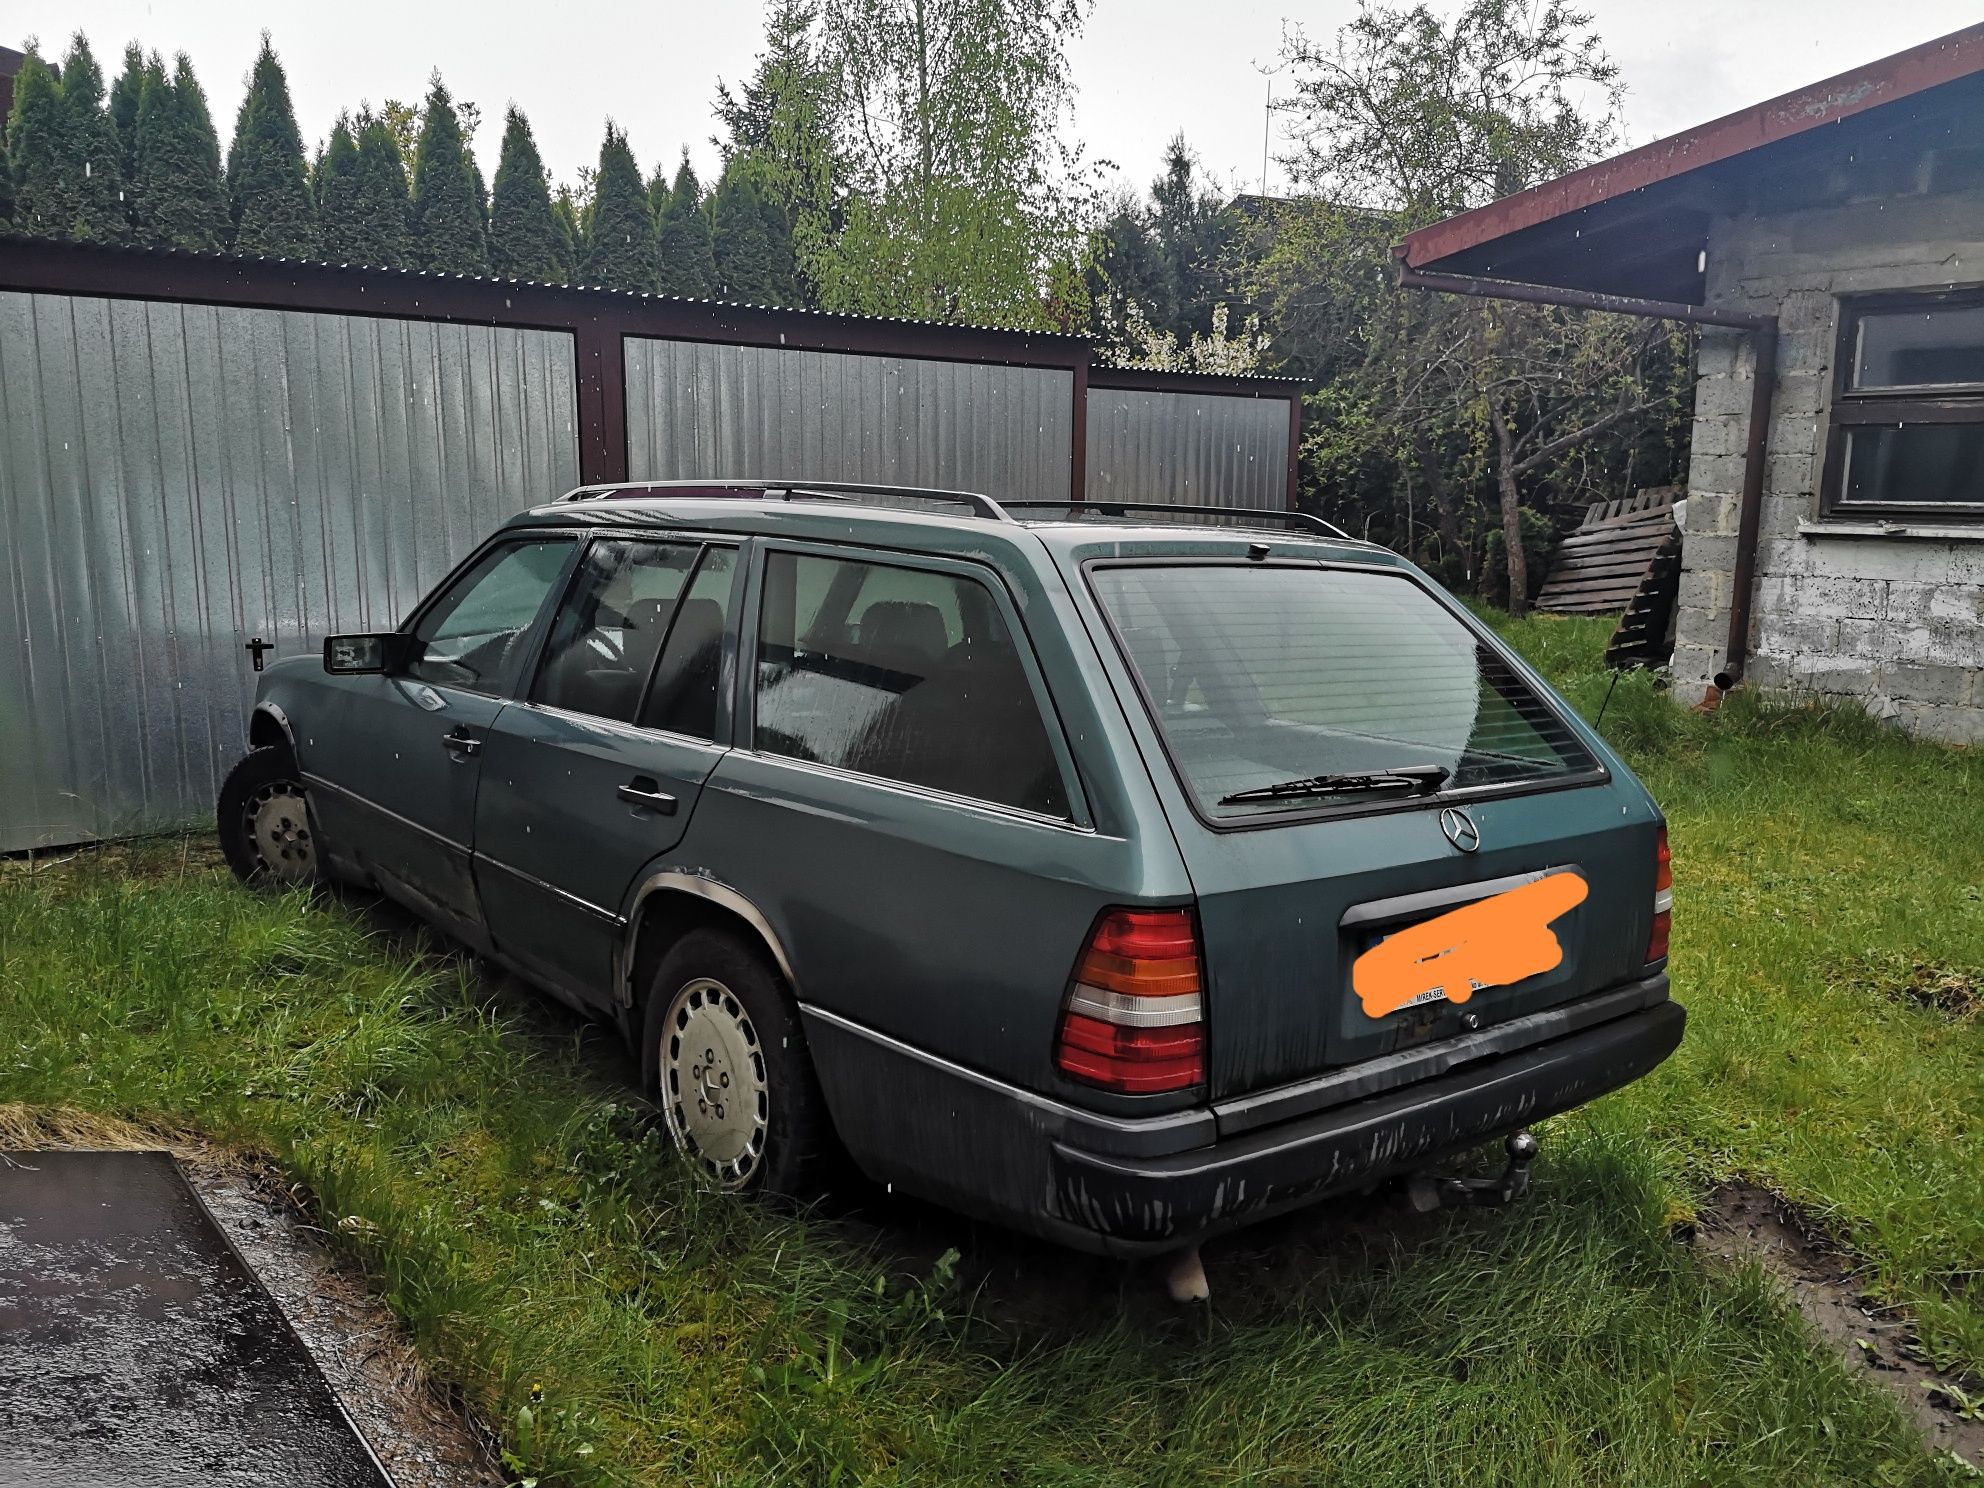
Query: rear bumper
[(1146, 1202), (1127, 1186)]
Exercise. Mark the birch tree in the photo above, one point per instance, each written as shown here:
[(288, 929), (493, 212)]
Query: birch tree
[(966, 200)]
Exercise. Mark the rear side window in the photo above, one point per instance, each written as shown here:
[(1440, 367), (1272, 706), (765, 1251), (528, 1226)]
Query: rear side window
[(904, 673), (1260, 674)]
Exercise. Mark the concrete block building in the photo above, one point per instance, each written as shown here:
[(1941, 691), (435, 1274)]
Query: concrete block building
[(1834, 238)]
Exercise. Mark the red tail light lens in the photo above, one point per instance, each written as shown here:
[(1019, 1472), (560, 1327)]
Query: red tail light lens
[(1135, 1016), (1663, 900)]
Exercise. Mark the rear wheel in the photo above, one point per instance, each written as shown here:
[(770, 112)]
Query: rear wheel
[(727, 1060), (266, 833)]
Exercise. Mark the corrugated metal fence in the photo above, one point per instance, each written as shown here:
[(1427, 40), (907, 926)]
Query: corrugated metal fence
[(196, 451), (175, 479), (744, 412), (1201, 449)]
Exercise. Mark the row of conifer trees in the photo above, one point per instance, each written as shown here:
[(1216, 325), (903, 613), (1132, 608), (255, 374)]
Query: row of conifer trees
[(140, 163)]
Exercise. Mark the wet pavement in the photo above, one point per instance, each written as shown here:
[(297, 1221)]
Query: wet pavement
[(137, 1349)]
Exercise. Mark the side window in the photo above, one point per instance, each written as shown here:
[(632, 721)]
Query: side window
[(683, 698), (472, 637), (1908, 408), (609, 630), (904, 673)]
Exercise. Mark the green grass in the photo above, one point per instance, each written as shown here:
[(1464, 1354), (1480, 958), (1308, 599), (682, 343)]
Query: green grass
[(1824, 866), (484, 1160)]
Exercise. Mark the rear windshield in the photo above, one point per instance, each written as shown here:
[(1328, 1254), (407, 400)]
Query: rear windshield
[(1259, 675)]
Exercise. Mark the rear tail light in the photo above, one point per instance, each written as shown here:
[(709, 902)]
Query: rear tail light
[(1135, 1016), (1663, 900)]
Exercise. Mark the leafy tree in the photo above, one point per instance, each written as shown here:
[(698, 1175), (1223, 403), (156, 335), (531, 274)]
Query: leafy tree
[(362, 203), (525, 241), (91, 150), (619, 229), (402, 121), (779, 130), (450, 214), (1217, 350), (177, 197), (6, 183), (1405, 118), (268, 189), (1407, 113), (125, 94), (686, 250), (967, 203), (38, 151)]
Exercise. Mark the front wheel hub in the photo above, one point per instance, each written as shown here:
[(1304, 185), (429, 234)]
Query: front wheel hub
[(276, 820), (713, 1087)]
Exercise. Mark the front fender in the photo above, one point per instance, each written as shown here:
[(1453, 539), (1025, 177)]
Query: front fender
[(281, 710)]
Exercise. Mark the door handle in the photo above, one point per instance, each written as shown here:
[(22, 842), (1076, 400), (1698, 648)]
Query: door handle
[(645, 794), (458, 740)]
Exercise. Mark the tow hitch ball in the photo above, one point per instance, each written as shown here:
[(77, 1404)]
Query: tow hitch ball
[(1426, 1193)]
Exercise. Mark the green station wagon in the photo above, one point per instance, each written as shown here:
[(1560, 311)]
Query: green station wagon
[(1043, 860)]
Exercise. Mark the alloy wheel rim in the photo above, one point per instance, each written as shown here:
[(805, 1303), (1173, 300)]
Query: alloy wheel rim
[(714, 1092), (277, 824)]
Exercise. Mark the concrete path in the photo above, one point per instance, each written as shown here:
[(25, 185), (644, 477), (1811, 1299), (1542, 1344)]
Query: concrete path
[(137, 1349)]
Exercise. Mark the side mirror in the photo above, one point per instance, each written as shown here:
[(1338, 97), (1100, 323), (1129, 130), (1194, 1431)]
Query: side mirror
[(357, 654)]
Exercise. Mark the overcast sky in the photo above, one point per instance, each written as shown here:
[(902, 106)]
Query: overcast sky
[(1146, 68)]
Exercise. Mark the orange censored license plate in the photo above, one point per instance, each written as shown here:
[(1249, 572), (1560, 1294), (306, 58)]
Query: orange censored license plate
[(1490, 944)]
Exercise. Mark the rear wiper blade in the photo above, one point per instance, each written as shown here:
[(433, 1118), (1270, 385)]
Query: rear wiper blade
[(1397, 777)]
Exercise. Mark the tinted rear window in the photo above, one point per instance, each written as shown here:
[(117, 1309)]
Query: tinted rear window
[(1259, 674)]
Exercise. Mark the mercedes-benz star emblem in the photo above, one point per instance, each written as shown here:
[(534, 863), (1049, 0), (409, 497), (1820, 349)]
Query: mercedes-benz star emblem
[(1460, 829)]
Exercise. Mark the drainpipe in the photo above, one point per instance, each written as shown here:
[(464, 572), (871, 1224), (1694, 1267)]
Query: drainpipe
[(1762, 331)]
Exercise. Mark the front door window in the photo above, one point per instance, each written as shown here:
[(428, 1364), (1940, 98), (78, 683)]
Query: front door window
[(640, 636), (473, 637)]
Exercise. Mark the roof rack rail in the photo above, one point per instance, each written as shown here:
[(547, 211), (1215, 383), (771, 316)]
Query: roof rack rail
[(1183, 509), (785, 490), (981, 505)]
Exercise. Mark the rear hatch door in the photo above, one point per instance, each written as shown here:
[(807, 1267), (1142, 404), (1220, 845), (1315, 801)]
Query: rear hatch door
[(1258, 674)]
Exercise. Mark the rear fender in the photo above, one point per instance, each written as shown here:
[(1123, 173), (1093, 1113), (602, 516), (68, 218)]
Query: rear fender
[(688, 889)]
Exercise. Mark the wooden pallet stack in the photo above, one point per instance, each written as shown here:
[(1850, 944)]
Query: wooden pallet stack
[(1596, 570), (1645, 634), (1623, 559)]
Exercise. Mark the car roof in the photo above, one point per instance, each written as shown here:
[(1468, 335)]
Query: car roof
[(937, 520)]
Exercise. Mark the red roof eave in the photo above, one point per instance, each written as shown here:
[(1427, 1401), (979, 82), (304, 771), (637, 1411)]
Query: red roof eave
[(1943, 60)]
